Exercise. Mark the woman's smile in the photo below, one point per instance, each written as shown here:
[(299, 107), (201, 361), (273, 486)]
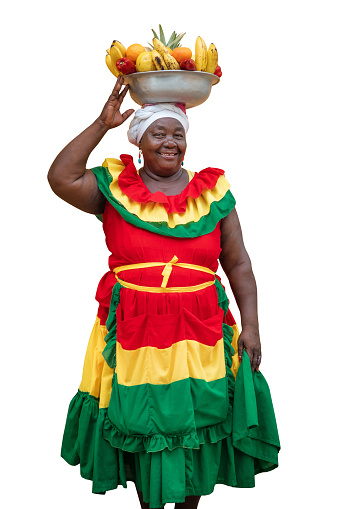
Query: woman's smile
[(168, 155), (163, 146)]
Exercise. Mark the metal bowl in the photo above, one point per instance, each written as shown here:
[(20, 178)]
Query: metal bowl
[(188, 87)]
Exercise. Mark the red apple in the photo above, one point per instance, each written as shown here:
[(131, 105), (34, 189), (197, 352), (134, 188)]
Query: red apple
[(188, 65)]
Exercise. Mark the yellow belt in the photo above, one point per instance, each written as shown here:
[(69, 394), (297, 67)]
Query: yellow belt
[(166, 274)]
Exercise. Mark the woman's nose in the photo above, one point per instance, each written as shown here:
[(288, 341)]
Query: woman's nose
[(169, 141)]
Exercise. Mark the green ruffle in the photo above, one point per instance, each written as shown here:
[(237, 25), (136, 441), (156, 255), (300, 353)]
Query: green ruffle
[(206, 224), (227, 333), (159, 442), (109, 352), (222, 297)]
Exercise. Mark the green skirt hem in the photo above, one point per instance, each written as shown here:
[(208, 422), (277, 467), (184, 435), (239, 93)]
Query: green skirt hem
[(102, 488), (166, 476)]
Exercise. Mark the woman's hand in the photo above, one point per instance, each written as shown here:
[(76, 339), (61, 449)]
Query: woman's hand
[(250, 341), (110, 115)]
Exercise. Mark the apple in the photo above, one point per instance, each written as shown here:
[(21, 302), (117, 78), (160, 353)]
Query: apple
[(188, 65)]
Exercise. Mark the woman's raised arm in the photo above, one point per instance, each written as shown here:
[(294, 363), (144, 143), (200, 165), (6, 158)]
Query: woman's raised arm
[(238, 269), (68, 176)]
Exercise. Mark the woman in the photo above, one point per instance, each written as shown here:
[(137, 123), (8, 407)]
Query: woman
[(171, 398)]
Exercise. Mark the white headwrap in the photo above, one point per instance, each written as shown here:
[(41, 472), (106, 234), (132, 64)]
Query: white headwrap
[(146, 115)]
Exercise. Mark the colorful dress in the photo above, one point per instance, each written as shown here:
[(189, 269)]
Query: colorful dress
[(163, 401)]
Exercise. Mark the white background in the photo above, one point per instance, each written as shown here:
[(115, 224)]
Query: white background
[(271, 124)]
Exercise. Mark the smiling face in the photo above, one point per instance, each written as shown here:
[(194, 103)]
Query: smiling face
[(163, 146)]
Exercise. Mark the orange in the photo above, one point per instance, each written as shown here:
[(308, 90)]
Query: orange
[(181, 53), (169, 50), (133, 51)]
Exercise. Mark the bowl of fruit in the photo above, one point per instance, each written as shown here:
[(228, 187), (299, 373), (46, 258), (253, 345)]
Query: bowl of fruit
[(189, 88), (166, 71)]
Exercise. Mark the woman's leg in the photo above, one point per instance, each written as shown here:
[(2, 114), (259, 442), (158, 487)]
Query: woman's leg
[(143, 504), (191, 502)]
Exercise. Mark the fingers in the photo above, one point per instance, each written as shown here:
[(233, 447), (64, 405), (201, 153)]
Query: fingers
[(116, 94), (255, 359), (254, 356), (127, 114), (122, 95), (240, 348), (249, 341), (118, 85), (258, 363)]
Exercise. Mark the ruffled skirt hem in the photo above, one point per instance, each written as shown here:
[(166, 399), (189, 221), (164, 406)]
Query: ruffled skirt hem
[(229, 453)]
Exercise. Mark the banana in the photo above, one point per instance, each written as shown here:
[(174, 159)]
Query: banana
[(160, 47), (212, 59), (162, 50), (200, 54), (158, 61), (171, 62), (144, 62), (120, 47), (112, 68), (115, 54)]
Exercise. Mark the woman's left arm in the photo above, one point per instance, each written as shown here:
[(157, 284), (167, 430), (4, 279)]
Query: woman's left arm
[(238, 269)]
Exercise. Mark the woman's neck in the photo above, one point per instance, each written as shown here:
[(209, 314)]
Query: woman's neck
[(170, 186), (162, 178)]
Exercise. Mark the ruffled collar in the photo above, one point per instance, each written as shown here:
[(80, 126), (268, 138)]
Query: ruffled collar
[(132, 185)]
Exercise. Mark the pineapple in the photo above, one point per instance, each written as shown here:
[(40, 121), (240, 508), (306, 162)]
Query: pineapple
[(173, 41)]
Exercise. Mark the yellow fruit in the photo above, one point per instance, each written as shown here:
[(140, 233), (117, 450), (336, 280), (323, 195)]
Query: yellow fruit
[(115, 54), (158, 61), (112, 68), (171, 62), (144, 62), (212, 59), (133, 51), (120, 47), (160, 47), (200, 54)]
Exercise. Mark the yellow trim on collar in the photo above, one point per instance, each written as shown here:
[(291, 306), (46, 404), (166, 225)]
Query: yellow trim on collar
[(156, 212)]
